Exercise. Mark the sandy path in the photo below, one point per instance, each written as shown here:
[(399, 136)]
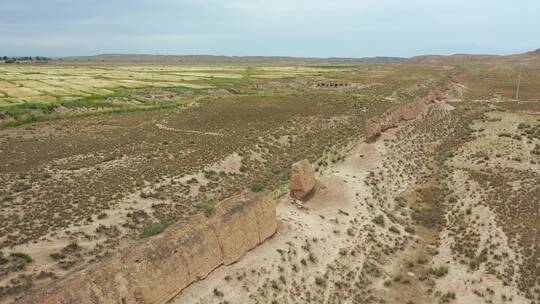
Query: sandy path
[(162, 127)]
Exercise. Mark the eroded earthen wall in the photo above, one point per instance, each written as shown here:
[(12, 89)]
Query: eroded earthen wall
[(155, 270), (403, 112)]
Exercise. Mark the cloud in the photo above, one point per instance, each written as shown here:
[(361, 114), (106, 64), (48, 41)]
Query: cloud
[(257, 27)]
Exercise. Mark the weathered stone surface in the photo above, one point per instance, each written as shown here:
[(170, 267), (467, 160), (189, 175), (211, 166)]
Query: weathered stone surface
[(302, 179), (155, 270)]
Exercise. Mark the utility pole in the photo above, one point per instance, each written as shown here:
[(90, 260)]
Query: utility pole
[(152, 74), (157, 58), (296, 82), (519, 82)]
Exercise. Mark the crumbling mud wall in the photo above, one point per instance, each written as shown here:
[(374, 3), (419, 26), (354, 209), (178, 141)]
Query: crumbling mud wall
[(155, 270), (302, 180), (403, 112), (332, 85)]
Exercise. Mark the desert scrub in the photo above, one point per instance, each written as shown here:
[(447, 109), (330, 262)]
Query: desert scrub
[(438, 271), (68, 256), (151, 228), (394, 229), (20, 186), (16, 261), (71, 248), (410, 229), (218, 293), (448, 297), (379, 220), (3, 260), (320, 281), (207, 206), (421, 260), (257, 186), (280, 191), (211, 175)]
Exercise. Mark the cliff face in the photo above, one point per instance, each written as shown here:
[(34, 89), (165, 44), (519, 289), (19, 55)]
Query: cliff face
[(403, 112), (155, 270)]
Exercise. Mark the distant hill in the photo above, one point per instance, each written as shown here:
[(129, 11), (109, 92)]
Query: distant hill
[(209, 59), (533, 53), (530, 57), (533, 56)]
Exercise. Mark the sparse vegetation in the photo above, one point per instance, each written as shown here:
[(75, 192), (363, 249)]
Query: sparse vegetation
[(379, 220), (257, 186), (207, 206), (150, 229), (135, 173), (438, 271)]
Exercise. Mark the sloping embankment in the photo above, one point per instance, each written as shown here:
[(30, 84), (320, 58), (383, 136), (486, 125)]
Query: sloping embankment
[(155, 270), (403, 112)]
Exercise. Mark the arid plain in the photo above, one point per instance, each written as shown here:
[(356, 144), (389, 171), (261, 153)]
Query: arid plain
[(96, 158)]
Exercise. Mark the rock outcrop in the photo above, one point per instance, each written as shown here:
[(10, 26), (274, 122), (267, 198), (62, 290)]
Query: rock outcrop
[(303, 180), (155, 270), (403, 112)]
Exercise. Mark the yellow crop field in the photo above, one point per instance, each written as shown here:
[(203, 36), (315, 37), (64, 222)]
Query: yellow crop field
[(46, 84), (31, 93)]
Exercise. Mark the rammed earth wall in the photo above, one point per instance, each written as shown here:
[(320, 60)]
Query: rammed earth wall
[(156, 269)]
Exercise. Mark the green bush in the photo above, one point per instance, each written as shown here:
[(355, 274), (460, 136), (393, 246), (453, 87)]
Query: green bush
[(151, 228), (257, 186), (24, 108)]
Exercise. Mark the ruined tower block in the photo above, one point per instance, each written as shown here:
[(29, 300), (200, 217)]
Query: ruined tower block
[(302, 179)]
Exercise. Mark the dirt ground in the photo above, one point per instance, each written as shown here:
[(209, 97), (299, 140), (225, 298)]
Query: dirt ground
[(74, 191), (376, 232), (443, 209)]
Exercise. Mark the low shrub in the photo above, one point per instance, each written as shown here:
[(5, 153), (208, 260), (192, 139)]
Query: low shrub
[(438, 271), (207, 206), (257, 186), (151, 228), (379, 220)]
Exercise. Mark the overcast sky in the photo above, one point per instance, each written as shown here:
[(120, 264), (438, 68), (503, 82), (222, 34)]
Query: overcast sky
[(322, 28)]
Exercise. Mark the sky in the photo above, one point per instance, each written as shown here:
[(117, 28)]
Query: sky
[(308, 28)]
